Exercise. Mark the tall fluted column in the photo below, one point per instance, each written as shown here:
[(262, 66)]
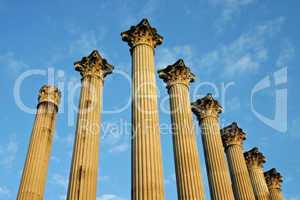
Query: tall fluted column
[(35, 171), (255, 160), (233, 138), (188, 175), (84, 169), (147, 175), (274, 180), (207, 111)]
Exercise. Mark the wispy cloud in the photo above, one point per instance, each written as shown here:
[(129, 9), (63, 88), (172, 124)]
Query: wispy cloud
[(294, 198), (233, 104), (287, 53), (110, 197), (171, 179), (169, 55), (60, 180), (12, 64), (4, 191), (147, 9), (245, 54), (85, 41), (8, 152), (103, 178), (229, 10), (119, 148)]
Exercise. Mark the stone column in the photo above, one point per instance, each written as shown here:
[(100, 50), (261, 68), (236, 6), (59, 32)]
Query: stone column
[(84, 168), (255, 161), (147, 175), (207, 111), (188, 175), (274, 180), (35, 171), (233, 138)]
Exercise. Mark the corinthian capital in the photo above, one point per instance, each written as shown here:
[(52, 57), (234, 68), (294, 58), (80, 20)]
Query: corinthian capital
[(206, 107), (142, 33), (49, 94), (93, 65), (176, 73), (232, 135), (273, 179), (254, 158)]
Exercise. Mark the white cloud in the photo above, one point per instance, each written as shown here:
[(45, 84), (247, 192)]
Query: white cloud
[(233, 104), (134, 14), (63, 197), (110, 197), (84, 42), (171, 179), (294, 198), (8, 152), (229, 10), (168, 56), (103, 178), (294, 128), (60, 180), (4, 191), (119, 148), (245, 54), (12, 64), (287, 53)]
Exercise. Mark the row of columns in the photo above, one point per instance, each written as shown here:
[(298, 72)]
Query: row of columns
[(231, 175)]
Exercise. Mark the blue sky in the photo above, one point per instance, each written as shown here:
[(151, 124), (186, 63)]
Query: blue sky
[(230, 45)]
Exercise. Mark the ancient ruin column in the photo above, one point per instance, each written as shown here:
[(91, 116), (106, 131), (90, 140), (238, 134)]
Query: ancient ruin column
[(147, 175), (84, 169), (188, 175), (35, 171), (207, 111), (255, 160), (233, 138), (274, 180)]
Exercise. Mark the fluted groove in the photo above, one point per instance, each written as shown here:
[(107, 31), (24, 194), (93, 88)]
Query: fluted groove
[(84, 169), (35, 170), (276, 194), (188, 174), (147, 176), (239, 173), (217, 169), (258, 182)]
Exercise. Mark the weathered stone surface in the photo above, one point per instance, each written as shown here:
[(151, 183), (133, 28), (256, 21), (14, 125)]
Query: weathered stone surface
[(35, 171)]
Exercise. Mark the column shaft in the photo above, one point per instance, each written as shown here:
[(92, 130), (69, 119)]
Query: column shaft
[(84, 169), (239, 173), (276, 194), (218, 175), (147, 175), (35, 171), (258, 183), (188, 174)]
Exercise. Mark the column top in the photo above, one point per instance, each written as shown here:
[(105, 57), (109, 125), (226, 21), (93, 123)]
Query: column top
[(49, 94), (177, 73), (142, 33), (232, 135), (206, 107), (93, 65), (273, 179), (254, 158)]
